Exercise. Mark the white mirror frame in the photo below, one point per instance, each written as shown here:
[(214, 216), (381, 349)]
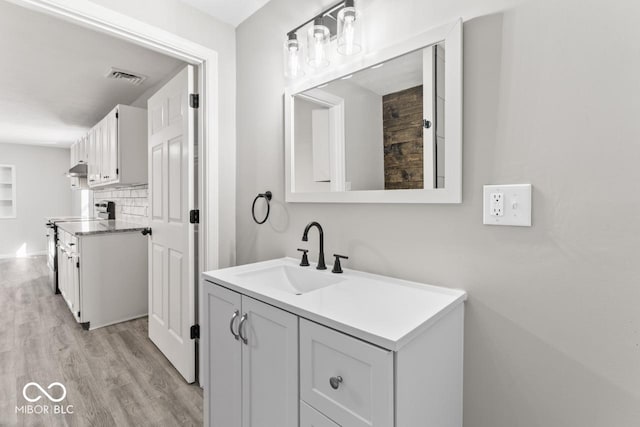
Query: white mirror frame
[(451, 35)]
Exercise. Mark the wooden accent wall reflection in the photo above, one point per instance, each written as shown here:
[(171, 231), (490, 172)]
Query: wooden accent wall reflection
[(403, 143)]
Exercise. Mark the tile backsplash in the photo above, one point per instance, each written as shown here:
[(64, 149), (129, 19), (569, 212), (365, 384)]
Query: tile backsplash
[(132, 203)]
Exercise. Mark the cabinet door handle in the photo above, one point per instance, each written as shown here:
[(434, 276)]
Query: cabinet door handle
[(335, 382), (233, 318), (243, 319)]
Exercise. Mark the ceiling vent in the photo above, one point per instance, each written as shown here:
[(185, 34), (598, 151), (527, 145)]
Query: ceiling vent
[(128, 76)]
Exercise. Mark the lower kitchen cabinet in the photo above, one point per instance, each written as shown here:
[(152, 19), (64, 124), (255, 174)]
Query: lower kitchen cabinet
[(103, 277), (252, 362)]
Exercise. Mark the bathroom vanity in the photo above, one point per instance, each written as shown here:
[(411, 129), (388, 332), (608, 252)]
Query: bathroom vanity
[(285, 345)]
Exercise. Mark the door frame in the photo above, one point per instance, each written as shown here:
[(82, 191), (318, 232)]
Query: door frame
[(116, 24)]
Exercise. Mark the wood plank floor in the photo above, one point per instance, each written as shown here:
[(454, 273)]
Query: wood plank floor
[(114, 376)]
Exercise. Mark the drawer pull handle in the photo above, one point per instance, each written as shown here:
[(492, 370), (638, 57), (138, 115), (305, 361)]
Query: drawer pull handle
[(240, 328), (233, 318), (335, 382)]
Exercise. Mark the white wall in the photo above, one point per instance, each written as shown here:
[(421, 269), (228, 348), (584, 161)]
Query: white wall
[(551, 97), (43, 190), (189, 23)]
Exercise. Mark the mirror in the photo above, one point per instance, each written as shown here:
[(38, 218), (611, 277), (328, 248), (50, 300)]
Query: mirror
[(392, 119), (388, 131)]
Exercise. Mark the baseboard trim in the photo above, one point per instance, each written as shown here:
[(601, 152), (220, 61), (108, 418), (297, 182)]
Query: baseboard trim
[(29, 255)]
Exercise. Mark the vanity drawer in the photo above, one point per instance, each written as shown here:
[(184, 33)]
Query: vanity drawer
[(309, 417), (348, 380)]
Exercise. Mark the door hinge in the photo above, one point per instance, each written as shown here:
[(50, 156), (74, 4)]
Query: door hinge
[(194, 216), (194, 100), (117, 171), (78, 314), (195, 332), (78, 264), (117, 114)]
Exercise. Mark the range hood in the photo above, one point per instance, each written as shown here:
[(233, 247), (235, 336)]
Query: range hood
[(78, 171)]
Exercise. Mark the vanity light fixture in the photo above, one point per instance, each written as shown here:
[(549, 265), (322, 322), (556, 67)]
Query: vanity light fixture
[(341, 23)]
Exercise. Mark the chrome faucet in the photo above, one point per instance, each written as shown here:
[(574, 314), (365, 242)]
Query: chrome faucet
[(305, 238)]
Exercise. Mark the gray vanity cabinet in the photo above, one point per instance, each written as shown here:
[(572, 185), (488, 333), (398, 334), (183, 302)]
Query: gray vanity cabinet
[(251, 375)]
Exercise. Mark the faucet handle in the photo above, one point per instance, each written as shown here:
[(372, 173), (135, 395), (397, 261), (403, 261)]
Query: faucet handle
[(305, 261), (337, 268)]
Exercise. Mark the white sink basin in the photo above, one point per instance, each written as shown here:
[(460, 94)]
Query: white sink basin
[(292, 279)]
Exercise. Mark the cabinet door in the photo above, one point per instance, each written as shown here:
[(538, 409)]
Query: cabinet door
[(74, 154), (91, 152), (96, 154), (62, 268), (105, 155), (112, 130), (75, 182), (75, 287), (80, 151), (269, 366), (223, 378)]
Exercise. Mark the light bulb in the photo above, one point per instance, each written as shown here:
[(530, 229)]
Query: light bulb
[(292, 54), (348, 31), (317, 40)]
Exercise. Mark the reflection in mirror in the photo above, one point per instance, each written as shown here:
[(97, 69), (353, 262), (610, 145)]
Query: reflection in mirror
[(381, 128)]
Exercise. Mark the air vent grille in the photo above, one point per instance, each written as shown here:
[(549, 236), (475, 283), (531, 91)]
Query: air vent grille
[(128, 76)]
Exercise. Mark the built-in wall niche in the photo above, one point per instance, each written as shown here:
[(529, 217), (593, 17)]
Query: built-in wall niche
[(7, 191)]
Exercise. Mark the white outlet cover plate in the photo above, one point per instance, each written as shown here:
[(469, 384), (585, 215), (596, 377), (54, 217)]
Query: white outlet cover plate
[(517, 205)]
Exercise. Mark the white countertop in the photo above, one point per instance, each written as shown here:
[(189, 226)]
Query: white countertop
[(385, 311)]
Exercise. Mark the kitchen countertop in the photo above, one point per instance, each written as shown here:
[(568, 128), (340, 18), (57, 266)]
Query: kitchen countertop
[(86, 228), (382, 310), (56, 219)]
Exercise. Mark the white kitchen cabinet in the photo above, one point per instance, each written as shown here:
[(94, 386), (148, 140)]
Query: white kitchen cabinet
[(252, 362), (93, 154), (115, 150), (69, 272), (102, 276), (78, 152), (118, 154)]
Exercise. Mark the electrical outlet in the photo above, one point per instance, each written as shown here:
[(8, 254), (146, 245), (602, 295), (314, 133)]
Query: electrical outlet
[(507, 205), (497, 204)]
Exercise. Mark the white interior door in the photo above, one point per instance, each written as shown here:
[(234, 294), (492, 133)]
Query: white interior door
[(171, 129)]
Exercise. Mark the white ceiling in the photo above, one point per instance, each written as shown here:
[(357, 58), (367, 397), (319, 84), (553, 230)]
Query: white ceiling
[(52, 84), (398, 74), (230, 11)]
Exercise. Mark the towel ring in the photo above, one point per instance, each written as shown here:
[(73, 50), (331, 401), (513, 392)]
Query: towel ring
[(267, 196)]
